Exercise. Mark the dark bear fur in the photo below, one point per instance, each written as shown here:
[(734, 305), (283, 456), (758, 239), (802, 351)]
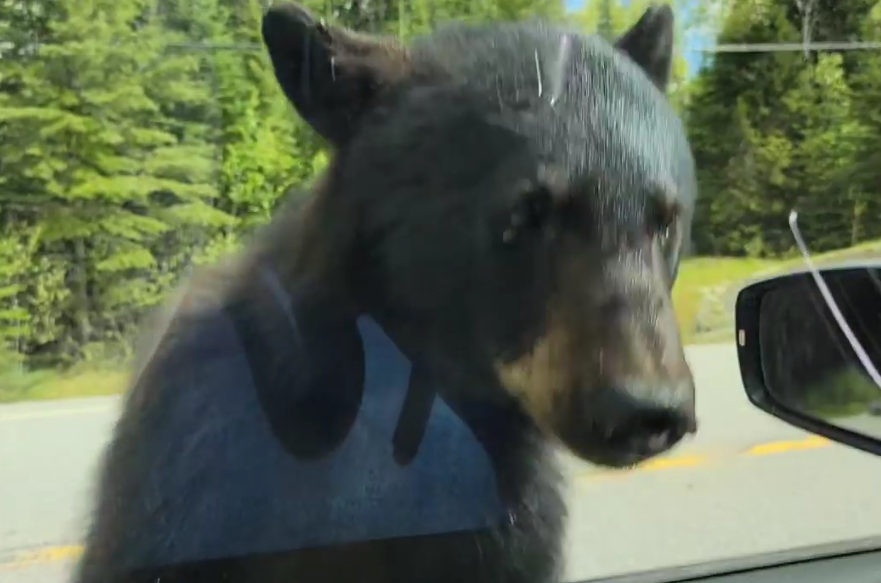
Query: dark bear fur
[(511, 203)]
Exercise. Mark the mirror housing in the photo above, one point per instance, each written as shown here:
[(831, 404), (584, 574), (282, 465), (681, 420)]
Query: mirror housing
[(796, 361)]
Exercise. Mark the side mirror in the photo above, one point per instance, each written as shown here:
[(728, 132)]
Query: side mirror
[(798, 363)]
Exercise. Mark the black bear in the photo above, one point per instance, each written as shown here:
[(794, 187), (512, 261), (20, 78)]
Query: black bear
[(375, 389)]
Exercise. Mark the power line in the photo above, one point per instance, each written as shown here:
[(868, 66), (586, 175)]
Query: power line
[(791, 47), (720, 48)]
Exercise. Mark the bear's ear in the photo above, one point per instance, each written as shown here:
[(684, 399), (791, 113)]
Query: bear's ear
[(330, 74), (649, 43)]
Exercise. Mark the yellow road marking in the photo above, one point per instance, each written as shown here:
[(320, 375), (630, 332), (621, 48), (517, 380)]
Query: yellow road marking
[(673, 462), (649, 466), (775, 447), (64, 553), (812, 442), (42, 556)]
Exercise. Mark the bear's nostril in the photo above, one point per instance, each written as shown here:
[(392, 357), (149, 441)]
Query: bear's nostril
[(658, 441), (653, 432)]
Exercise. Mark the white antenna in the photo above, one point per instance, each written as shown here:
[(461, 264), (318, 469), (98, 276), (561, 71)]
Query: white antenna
[(830, 301)]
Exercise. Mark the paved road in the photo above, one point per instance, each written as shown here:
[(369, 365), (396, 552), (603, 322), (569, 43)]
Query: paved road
[(746, 484)]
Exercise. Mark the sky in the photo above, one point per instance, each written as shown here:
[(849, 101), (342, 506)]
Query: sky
[(694, 39)]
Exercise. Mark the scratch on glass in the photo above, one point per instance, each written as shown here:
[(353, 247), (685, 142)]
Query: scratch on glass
[(560, 69), (538, 73)]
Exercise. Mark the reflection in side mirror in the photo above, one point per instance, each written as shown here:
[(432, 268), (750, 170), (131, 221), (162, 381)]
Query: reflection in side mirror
[(798, 364)]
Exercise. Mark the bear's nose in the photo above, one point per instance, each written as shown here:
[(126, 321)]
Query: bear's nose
[(649, 422)]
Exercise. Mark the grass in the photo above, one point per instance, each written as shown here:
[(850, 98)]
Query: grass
[(701, 287), (707, 286), (703, 298), (89, 383), (44, 386)]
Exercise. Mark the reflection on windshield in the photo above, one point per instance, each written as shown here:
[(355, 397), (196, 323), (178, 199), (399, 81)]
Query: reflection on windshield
[(366, 276)]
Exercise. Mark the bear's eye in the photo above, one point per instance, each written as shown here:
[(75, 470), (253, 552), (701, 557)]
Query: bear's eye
[(664, 233), (530, 213), (662, 222)]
